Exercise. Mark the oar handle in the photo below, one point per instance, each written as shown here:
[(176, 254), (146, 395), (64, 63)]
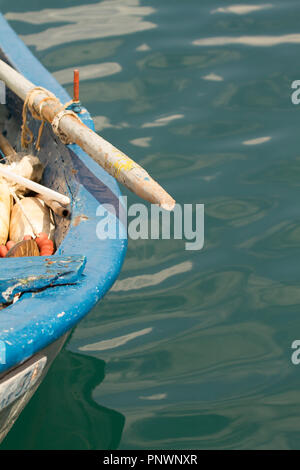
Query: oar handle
[(36, 187), (59, 209)]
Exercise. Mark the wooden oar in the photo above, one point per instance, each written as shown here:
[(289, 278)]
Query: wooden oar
[(115, 162), (48, 193)]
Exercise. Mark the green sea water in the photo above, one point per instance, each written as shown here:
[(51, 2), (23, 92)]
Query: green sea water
[(190, 349)]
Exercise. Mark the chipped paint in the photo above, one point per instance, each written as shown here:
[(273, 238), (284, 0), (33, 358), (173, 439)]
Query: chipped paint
[(79, 219), (8, 292), (64, 270)]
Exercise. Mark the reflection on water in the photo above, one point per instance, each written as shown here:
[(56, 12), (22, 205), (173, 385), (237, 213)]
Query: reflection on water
[(213, 77), (87, 21), (163, 121), (147, 280), (242, 9), (142, 142), (102, 122), (158, 396), (115, 342), (258, 141), (250, 40), (143, 48), (88, 72)]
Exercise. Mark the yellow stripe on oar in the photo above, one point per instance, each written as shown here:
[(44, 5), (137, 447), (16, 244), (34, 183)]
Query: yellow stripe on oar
[(123, 163)]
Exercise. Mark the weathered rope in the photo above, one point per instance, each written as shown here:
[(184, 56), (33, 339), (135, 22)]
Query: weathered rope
[(55, 125), (26, 134)]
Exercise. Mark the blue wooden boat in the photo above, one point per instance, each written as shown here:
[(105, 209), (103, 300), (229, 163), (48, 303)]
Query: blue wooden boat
[(34, 328)]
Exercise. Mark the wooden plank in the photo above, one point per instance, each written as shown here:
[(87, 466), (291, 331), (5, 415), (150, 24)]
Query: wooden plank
[(19, 275)]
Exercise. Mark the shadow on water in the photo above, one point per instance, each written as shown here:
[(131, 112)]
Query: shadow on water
[(63, 412)]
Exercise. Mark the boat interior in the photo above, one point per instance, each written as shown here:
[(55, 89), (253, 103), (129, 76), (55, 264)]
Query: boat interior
[(54, 156)]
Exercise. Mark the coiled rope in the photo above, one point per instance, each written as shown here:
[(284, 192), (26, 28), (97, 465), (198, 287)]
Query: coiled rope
[(27, 134)]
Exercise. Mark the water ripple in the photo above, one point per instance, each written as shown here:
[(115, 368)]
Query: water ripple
[(87, 21)]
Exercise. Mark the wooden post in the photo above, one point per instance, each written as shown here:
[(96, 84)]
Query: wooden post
[(76, 86)]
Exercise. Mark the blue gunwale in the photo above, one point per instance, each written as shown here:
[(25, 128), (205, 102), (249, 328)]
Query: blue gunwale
[(40, 318)]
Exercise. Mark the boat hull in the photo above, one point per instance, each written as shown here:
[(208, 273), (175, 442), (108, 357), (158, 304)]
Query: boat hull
[(19, 384), (43, 316), (37, 325)]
